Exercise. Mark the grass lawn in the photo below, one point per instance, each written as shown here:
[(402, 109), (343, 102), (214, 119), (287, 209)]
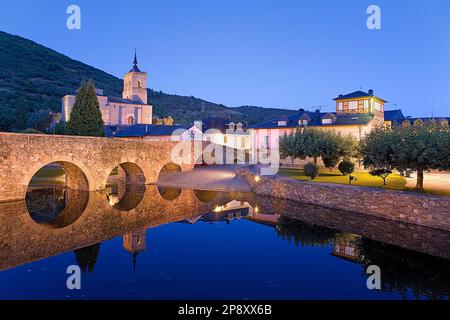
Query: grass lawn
[(393, 182)]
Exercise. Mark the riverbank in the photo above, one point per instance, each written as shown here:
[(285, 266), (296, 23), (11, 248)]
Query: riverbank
[(420, 209)]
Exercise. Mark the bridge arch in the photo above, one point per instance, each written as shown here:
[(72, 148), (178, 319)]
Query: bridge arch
[(76, 174), (125, 186)]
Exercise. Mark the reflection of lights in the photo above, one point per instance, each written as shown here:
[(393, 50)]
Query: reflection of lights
[(256, 209), (217, 209), (113, 199), (257, 178)]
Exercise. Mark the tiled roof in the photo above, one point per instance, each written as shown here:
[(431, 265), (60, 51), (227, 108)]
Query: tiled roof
[(122, 100), (316, 119), (141, 130), (220, 124), (110, 131), (357, 94), (393, 115)]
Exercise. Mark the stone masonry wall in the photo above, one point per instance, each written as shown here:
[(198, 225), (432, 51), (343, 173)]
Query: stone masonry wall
[(420, 209)]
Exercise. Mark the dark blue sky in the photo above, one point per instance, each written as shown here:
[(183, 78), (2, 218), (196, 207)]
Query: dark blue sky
[(268, 53)]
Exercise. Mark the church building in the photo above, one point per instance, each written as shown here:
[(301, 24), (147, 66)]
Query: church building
[(131, 109)]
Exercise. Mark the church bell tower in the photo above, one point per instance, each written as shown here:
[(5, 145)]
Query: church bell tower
[(135, 84)]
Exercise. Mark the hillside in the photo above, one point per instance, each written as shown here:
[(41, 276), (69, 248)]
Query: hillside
[(33, 79)]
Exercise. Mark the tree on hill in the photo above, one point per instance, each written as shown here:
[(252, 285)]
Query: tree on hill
[(86, 118), (167, 121)]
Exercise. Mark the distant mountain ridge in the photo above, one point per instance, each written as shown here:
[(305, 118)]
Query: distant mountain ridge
[(35, 78)]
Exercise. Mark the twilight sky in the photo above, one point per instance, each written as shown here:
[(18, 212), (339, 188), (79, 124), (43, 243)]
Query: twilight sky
[(277, 53)]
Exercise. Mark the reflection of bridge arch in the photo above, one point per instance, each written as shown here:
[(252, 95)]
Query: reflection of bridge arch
[(205, 196), (169, 194), (75, 203)]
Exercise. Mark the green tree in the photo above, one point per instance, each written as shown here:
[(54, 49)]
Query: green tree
[(22, 112), (40, 120), (382, 173), (316, 143), (346, 167), (333, 147), (420, 147), (312, 143), (86, 118), (168, 121), (286, 145)]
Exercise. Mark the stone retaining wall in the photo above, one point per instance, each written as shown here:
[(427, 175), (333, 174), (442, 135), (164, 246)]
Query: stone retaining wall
[(420, 209)]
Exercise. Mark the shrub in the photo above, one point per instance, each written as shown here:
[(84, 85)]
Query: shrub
[(311, 170), (31, 130), (60, 128), (346, 167), (330, 162)]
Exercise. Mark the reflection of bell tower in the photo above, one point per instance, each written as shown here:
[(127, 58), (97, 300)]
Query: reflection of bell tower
[(134, 242), (135, 84)]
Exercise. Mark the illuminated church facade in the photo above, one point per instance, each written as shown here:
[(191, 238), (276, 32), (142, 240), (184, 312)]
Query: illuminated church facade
[(131, 108)]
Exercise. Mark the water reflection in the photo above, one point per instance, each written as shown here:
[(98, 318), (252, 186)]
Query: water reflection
[(403, 270), (55, 207), (87, 257), (46, 204), (401, 250)]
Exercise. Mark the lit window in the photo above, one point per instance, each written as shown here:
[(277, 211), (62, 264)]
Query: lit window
[(225, 139), (377, 106), (130, 120), (353, 105), (327, 121), (303, 122), (282, 123), (139, 84), (340, 106)]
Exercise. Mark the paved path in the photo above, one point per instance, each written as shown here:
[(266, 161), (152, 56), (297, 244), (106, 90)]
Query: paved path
[(218, 178), (432, 181)]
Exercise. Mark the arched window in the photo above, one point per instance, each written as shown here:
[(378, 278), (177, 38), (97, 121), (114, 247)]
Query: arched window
[(139, 84), (130, 120)]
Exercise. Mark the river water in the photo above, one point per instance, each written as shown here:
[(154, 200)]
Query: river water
[(160, 243)]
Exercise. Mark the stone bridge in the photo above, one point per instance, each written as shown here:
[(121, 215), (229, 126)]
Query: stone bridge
[(87, 161)]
